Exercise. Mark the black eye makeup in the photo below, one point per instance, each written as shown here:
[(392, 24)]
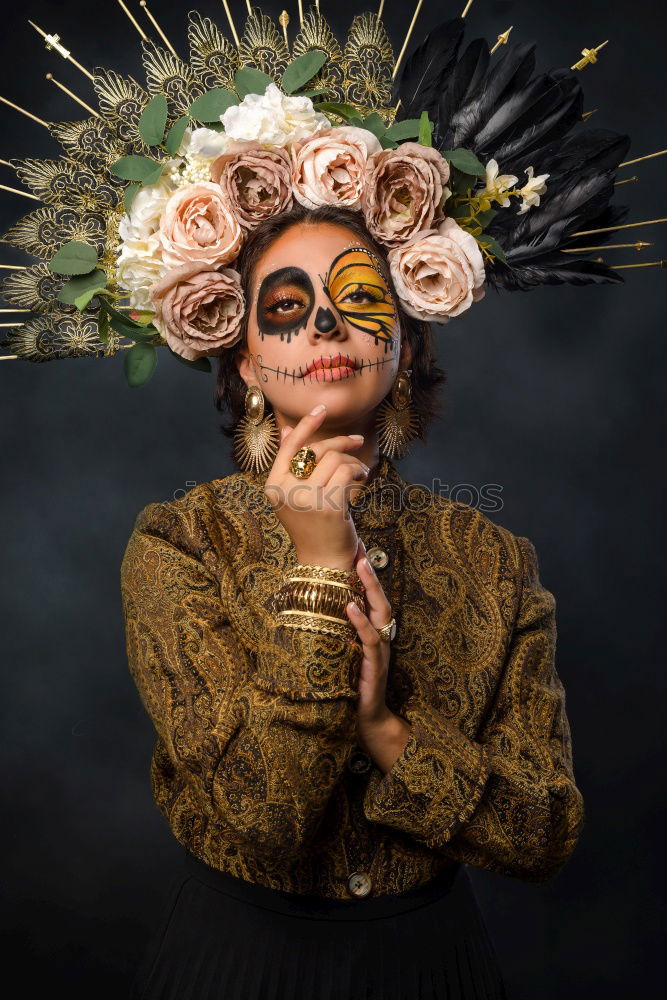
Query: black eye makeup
[(284, 302)]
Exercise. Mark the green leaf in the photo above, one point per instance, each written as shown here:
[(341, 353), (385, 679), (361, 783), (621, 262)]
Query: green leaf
[(140, 334), (303, 69), (75, 257), (484, 218), (250, 81), (153, 120), (387, 143), (465, 161), (215, 126), (137, 168), (211, 105), (139, 364), (128, 195), (80, 286), (425, 130), (200, 364), (407, 129), (375, 124), (175, 135), (494, 247), (103, 327), (344, 111), (120, 316)]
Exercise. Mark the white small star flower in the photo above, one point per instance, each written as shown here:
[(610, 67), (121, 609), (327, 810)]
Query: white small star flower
[(530, 192)]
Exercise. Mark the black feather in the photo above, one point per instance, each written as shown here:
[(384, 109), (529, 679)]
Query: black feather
[(421, 80), (546, 130), (462, 84)]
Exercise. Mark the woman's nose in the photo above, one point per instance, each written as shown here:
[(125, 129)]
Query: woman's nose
[(325, 321)]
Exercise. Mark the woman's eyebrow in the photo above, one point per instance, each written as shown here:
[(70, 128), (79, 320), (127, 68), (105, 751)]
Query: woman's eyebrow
[(288, 275)]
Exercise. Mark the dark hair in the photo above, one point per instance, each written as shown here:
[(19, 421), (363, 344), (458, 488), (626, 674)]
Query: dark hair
[(426, 377)]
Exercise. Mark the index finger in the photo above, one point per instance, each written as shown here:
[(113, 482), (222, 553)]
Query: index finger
[(296, 439)]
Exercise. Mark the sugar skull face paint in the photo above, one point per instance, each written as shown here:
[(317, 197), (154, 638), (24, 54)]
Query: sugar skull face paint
[(357, 288), (285, 302)]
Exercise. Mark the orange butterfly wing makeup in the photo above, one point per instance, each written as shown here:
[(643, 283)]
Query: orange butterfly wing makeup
[(356, 274)]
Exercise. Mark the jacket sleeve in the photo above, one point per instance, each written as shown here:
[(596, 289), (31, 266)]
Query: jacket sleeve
[(506, 801), (260, 744)]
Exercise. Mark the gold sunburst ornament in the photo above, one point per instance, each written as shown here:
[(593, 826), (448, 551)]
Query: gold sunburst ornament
[(396, 421), (256, 436), (499, 192)]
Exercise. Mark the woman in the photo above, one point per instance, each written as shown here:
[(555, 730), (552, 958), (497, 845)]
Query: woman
[(352, 679)]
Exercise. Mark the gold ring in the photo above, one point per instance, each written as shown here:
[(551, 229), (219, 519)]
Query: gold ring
[(303, 462), (388, 631)]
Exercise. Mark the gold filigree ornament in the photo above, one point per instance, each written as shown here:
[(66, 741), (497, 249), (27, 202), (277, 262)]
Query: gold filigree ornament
[(488, 122)]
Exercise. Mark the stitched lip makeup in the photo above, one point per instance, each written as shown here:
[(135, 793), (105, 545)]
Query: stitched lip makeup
[(331, 368)]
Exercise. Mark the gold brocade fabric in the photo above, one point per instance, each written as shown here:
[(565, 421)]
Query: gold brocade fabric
[(256, 722)]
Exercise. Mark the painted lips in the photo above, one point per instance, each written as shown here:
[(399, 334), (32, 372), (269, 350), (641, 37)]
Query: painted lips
[(331, 369)]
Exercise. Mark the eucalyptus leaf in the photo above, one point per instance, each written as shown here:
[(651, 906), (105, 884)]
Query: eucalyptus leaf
[(485, 218), (344, 111), (139, 364), (103, 327), (75, 257), (407, 129), (375, 124), (250, 81), (120, 316), (140, 334), (425, 130), (211, 105), (137, 168), (494, 247), (199, 364), (303, 69), (175, 135), (465, 161), (153, 120), (387, 143), (129, 194), (81, 285)]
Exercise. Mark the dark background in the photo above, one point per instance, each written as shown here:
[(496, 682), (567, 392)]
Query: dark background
[(553, 396)]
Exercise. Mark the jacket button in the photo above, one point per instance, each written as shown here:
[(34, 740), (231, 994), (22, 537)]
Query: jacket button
[(377, 557), (358, 761), (359, 884)]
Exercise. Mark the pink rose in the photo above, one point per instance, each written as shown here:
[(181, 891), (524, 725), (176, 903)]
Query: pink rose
[(197, 225), (198, 310), (328, 168), (256, 182), (439, 273), (404, 191)]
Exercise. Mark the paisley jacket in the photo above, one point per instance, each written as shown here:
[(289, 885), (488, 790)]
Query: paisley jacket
[(255, 767)]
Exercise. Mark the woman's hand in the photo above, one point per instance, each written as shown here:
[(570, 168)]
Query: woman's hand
[(381, 733), (371, 705), (315, 511)]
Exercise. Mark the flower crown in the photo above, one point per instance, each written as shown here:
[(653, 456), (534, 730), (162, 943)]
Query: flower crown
[(184, 172)]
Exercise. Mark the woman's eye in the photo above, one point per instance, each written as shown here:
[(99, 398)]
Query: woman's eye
[(283, 306), (359, 298)]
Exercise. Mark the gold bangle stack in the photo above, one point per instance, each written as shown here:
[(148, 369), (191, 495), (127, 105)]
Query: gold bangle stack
[(314, 598)]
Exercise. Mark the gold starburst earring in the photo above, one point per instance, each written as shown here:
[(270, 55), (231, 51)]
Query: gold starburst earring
[(396, 421), (256, 438)]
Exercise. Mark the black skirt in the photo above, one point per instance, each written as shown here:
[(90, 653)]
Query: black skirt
[(222, 938)]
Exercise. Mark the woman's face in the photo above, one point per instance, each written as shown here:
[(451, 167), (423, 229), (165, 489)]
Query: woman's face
[(322, 326)]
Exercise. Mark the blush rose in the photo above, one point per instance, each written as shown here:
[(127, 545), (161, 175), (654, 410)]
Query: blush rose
[(198, 310), (403, 193), (256, 182), (439, 273), (197, 225), (329, 167)]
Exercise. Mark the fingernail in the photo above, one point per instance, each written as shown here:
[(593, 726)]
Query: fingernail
[(367, 565), (357, 437), (353, 607), (317, 409)]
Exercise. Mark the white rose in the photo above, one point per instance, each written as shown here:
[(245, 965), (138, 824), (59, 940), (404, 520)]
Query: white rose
[(203, 144), (144, 216), (273, 118), (139, 265)]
